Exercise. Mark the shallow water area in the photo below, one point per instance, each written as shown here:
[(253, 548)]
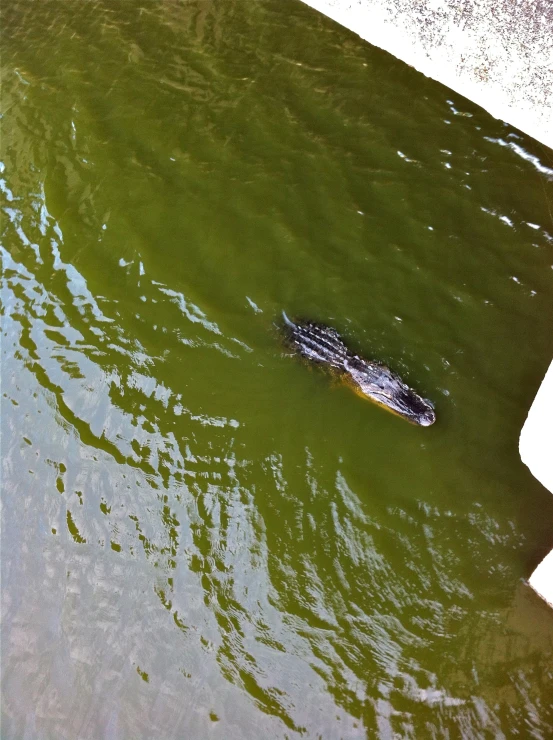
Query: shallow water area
[(200, 534)]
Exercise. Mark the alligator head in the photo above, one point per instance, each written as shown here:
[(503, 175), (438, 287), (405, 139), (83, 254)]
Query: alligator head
[(378, 383)]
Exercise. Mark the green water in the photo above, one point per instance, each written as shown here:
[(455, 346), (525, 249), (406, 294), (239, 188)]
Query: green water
[(202, 537)]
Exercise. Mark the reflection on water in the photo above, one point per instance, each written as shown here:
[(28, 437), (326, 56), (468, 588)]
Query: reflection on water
[(199, 534)]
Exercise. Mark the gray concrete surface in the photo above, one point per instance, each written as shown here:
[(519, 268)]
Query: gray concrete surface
[(498, 53), (536, 450), (536, 438)]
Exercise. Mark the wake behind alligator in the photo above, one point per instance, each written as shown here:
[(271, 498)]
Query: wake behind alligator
[(323, 345)]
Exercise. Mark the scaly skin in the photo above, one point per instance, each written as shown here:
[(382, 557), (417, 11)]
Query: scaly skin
[(322, 345)]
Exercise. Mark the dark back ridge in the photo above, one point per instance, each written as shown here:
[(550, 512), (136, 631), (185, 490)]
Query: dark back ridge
[(316, 342)]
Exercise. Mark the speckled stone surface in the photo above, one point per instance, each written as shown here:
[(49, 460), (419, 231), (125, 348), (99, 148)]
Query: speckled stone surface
[(498, 53), (541, 579), (536, 445), (536, 439)]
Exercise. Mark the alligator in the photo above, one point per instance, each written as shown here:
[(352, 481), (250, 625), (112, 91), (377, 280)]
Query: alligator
[(373, 380)]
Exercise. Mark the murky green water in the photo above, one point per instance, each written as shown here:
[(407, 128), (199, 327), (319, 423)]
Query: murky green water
[(201, 537)]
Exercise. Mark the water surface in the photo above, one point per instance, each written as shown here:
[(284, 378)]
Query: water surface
[(200, 536)]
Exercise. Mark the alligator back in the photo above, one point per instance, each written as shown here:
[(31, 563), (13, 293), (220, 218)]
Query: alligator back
[(316, 343)]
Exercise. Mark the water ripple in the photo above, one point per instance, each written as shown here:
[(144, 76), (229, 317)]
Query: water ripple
[(199, 535)]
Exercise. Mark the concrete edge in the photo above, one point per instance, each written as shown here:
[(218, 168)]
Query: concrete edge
[(474, 52)]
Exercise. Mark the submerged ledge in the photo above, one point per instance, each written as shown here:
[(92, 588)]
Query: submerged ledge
[(497, 53)]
